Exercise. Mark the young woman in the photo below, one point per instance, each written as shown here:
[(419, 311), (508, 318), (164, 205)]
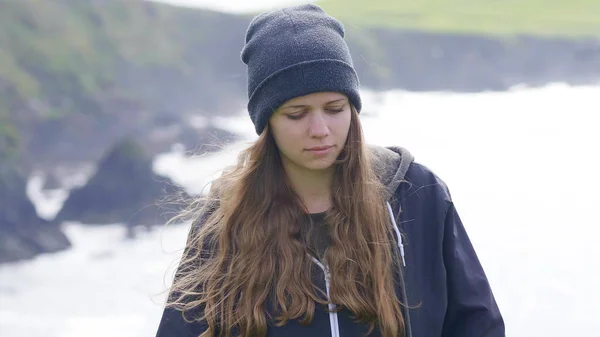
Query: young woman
[(303, 236)]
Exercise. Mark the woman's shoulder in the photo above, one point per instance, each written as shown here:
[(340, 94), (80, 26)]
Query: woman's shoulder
[(422, 186), (420, 177)]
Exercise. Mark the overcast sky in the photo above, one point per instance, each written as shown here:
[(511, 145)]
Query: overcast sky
[(235, 6)]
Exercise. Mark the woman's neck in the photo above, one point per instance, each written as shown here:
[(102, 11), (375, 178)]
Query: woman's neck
[(312, 186)]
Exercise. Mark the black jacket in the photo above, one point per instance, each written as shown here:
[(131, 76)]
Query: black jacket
[(447, 290)]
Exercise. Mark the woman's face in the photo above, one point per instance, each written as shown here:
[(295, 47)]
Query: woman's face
[(310, 131)]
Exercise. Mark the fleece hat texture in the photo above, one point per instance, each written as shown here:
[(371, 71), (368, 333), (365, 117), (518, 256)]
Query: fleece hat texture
[(292, 52)]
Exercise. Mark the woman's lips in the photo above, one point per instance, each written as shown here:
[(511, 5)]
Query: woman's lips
[(320, 150)]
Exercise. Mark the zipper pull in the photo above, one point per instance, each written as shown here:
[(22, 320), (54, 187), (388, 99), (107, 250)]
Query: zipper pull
[(402, 252)]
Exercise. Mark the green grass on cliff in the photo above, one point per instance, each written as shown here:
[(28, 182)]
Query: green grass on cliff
[(76, 44), (567, 18), (60, 56)]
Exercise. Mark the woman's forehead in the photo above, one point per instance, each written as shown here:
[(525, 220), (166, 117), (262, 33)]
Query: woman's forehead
[(314, 99)]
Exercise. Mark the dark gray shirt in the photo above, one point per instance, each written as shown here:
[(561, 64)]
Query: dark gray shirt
[(316, 234)]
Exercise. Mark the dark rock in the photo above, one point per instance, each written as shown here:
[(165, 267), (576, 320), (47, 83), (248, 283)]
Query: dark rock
[(124, 189), (210, 139), (195, 140), (51, 182), (24, 235)]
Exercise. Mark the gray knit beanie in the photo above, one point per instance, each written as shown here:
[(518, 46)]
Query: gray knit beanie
[(295, 51)]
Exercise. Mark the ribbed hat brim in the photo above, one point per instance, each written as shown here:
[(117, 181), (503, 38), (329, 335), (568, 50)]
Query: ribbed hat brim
[(301, 79)]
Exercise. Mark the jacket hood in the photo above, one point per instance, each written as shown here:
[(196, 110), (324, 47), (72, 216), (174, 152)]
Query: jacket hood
[(390, 165)]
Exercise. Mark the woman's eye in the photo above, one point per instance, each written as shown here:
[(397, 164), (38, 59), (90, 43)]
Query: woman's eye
[(295, 116), (337, 110)]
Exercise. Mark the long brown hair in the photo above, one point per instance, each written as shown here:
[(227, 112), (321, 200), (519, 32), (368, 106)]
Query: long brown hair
[(245, 262)]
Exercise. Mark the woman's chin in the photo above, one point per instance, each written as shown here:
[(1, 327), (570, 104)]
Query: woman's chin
[(319, 164)]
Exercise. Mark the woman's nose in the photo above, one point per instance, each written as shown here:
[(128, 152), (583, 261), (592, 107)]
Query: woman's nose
[(318, 126)]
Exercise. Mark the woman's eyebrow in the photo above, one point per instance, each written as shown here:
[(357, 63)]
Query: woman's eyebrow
[(335, 101), (304, 106)]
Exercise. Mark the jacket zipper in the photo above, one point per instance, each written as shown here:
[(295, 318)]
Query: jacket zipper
[(333, 316)]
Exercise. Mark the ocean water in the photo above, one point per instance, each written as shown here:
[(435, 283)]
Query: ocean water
[(522, 167)]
